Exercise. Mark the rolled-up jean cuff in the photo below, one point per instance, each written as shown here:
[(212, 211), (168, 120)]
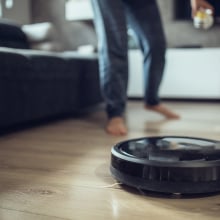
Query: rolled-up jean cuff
[(115, 114), (152, 103)]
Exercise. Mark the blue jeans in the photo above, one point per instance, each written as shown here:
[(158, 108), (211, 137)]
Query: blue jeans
[(112, 18)]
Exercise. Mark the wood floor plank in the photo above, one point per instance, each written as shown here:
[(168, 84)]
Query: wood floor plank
[(61, 171), (8, 214), (83, 203)]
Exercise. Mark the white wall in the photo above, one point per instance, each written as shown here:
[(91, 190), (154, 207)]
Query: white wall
[(79, 10), (189, 73)]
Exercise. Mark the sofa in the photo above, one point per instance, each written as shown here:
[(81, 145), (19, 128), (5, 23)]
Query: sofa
[(37, 85)]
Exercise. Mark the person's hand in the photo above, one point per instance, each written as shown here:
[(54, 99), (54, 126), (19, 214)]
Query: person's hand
[(198, 4)]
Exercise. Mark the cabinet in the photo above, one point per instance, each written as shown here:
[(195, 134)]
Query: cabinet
[(189, 74)]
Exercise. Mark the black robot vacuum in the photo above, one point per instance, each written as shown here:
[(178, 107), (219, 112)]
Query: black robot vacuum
[(169, 164)]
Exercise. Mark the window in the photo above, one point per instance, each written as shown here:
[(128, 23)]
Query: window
[(79, 10)]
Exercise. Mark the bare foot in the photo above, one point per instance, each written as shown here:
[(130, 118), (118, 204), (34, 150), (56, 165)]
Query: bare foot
[(116, 126), (163, 110)]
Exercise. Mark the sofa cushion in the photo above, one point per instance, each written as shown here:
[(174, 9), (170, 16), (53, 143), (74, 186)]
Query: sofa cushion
[(12, 36), (89, 82), (39, 32), (37, 84), (39, 64), (43, 36)]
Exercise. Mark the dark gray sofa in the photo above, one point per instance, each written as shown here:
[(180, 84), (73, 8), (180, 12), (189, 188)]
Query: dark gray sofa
[(36, 85)]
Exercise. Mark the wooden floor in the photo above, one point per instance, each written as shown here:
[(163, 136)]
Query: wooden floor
[(61, 170)]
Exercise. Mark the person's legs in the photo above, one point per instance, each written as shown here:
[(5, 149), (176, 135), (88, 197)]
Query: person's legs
[(144, 18), (111, 29)]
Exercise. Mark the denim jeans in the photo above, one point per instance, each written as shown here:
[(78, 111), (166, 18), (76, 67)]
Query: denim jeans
[(112, 17)]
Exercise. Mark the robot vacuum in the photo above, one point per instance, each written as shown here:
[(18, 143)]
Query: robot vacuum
[(169, 164)]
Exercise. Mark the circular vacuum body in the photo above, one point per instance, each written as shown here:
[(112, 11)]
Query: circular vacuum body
[(168, 164)]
